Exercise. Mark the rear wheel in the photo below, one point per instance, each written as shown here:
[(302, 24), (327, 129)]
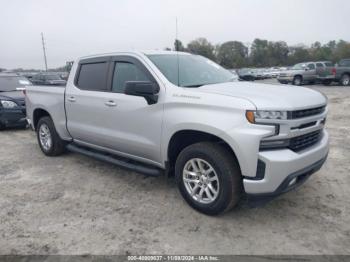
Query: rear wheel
[(327, 82), (208, 178), (345, 80), (49, 141), (297, 81)]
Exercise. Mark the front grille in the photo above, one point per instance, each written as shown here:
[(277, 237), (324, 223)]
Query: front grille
[(305, 141), (306, 112), (296, 143)]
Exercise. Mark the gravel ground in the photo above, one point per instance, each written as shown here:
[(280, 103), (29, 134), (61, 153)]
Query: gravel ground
[(76, 205)]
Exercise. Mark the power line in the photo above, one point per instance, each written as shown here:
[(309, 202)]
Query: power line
[(43, 42)]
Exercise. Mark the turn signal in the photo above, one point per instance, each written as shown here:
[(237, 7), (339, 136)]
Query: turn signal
[(250, 116)]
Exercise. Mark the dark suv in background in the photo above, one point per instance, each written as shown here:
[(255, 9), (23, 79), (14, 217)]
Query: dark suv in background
[(48, 79)]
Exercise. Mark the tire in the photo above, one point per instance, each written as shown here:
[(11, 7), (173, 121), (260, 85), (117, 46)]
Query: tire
[(345, 80), (225, 178), (282, 82), (327, 82), (46, 131), (297, 81)]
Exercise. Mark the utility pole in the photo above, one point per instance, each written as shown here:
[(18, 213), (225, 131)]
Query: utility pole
[(42, 39)]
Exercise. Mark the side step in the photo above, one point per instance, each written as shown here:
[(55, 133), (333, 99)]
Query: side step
[(131, 165)]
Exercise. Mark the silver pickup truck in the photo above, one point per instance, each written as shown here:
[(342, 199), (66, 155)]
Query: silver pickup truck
[(308, 73), (181, 114)]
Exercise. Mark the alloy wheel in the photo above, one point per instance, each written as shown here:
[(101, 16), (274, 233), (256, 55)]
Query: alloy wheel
[(201, 181)]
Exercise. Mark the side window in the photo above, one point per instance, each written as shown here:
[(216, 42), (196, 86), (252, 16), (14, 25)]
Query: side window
[(93, 76), (124, 72), (311, 66), (346, 63), (319, 65)]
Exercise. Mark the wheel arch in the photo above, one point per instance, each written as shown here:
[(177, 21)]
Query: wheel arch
[(186, 137), (39, 113)]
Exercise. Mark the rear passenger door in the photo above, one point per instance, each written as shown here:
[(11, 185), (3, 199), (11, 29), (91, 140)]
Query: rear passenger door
[(320, 70), (86, 100)]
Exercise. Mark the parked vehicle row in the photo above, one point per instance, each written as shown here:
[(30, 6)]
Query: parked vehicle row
[(220, 138), (251, 74), (48, 79)]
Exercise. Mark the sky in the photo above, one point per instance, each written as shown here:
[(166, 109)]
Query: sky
[(74, 28)]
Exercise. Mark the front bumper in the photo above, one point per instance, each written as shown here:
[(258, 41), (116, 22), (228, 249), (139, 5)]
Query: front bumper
[(284, 169), (13, 117)]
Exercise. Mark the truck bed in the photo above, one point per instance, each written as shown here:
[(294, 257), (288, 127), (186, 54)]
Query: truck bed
[(50, 99)]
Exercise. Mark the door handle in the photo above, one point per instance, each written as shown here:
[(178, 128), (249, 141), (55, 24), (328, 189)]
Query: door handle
[(71, 99), (110, 103)]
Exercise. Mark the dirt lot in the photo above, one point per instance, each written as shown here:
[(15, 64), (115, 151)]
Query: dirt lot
[(76, 205)]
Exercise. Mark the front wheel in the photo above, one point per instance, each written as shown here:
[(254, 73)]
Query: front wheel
[(297, 81), (49, 141), (208, 178)]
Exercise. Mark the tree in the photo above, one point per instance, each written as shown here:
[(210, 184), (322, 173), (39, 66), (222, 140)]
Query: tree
[(178, 46), (277, 53), (232, 54), (202, 46), (342, 50), (259, 53), (298, 54)]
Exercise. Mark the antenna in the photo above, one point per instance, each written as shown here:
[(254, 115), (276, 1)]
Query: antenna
[(43, 42), (177, 55)]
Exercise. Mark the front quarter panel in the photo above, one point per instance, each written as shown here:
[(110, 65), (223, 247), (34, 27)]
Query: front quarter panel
[(219, 115)]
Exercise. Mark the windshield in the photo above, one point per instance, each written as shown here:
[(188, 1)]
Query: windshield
[(10, 83), (194, 70), (300, 66)]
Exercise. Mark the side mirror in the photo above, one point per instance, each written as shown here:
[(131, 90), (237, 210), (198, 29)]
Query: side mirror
[(148, 90), (306, 69)]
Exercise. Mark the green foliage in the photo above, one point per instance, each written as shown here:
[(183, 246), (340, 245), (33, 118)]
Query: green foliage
[(178, 46), (264, 53), (232, 54), (203, 47)]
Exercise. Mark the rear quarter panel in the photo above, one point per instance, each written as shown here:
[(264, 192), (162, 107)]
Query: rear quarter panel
[(50, 99)]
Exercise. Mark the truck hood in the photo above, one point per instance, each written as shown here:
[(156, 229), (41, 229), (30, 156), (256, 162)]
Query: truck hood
[(269, 97)]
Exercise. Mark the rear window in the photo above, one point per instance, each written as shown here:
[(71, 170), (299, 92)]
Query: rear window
[(344, 63), (10, 83), (93, 76)]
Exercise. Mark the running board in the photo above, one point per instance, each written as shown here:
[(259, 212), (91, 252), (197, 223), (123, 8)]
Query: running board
[(131, 165)]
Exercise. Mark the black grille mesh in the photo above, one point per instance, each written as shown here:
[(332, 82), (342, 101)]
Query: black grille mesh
[(305, 141), (306, 112)]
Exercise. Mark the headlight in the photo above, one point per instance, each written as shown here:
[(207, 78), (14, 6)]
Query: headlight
[(8, 104), (255, 116)]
